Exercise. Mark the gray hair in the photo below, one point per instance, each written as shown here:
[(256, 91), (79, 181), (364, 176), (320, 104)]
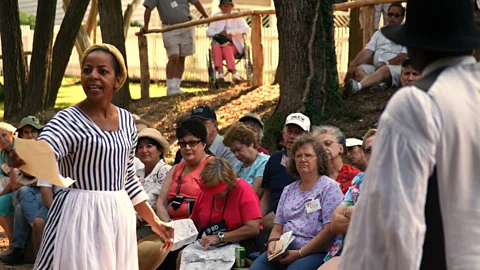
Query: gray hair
[(256, 125), (335, 131)]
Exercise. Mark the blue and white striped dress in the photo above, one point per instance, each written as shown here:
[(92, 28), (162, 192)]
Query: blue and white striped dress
[(92, 224)]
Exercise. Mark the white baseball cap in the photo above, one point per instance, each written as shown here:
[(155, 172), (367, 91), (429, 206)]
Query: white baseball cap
[(353, 142), (300, 120)]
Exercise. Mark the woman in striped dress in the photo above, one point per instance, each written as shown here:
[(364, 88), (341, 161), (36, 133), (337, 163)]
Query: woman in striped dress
[(92, 224)]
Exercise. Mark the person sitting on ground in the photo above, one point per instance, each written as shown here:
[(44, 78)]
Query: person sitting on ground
[(408, 75), (354, 153), (182, 184), (254, 122), (227, 40), (275, 176), (305, 208), (333, 141), (241, 140), (26, 199), (214, 141), (227, 210), (385, 53), (343, 213), (151, 149), (7, 131)]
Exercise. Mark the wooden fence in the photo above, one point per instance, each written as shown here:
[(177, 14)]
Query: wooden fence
[(196, 66)]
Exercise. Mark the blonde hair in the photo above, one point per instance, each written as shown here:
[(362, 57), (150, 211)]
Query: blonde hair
[(9, 128), (370, 133), (117, 55), (218, 170)]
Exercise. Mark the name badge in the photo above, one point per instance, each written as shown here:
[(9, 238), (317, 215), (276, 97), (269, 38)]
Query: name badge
[(284, 161), (174, 4), (312, 206), (6, 168)]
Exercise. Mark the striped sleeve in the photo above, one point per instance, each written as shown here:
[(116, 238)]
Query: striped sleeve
[(59, 135), (132, 185)]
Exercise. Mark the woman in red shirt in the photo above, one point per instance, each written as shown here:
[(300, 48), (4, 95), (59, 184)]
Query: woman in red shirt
[(227, 209), (333, 142)]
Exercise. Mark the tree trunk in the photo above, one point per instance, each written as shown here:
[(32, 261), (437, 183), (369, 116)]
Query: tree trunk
[(309, 81), (92, 18), (355, 39), (12, 51), (110, 12), (64, 45), (34, 94), (127, 17), (82, 42)]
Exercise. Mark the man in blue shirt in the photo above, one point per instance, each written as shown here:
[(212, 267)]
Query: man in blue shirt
[(275, 176)]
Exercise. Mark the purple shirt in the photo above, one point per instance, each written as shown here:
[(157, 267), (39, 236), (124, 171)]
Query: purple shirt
[(292, 213)]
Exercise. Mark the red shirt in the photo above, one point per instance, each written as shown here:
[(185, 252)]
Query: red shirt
[(345, 176), (263, 150), (242, 205)]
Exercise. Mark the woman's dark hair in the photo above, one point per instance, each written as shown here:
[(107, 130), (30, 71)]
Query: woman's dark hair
[(152, 142), (322, 157), (193, 127), (399, 6), (115, 64)]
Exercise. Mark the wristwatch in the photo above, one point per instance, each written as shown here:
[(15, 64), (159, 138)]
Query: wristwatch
[(221, 235)]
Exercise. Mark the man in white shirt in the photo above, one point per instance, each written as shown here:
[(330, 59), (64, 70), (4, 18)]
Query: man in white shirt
[(384, 51), (420, 208)]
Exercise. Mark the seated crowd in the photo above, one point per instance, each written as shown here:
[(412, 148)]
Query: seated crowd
[(235, 193)]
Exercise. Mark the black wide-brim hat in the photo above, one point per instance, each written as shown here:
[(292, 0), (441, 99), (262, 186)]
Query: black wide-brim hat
[(439, 25)]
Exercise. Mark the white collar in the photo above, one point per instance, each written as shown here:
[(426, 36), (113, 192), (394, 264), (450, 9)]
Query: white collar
[(448, 62)]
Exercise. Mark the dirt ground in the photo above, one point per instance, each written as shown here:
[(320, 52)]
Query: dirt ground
[(3, 247)]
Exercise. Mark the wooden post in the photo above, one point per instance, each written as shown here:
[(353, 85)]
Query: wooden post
[(144, 71), (257, 50), (368, 23)]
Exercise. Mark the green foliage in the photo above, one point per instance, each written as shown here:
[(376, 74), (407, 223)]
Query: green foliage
[(27, 20), (136, 24)]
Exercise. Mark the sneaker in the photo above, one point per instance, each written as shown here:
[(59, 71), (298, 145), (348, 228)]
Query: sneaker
[(174, 91), (351, 87), (236, 78), (221, 77), (16, 257)]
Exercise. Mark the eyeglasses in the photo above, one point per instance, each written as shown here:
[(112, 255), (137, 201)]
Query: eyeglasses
[(395, 15), (33, 132), (306, 156), (190, 143)]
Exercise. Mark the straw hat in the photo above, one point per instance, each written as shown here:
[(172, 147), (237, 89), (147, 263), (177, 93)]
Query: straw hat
[(150, 255), (157, 136)]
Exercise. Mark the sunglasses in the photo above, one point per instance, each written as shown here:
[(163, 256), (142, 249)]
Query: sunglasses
[(395, 15), (368, 151), (190, 143)]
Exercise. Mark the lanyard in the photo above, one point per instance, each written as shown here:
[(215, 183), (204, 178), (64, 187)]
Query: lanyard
[(211, 208)]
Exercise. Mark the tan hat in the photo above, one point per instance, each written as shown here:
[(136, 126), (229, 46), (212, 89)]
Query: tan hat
[(157, 136), (30, 120), (150, 255)]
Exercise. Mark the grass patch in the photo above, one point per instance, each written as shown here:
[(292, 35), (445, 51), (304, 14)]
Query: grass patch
[(71, 92)]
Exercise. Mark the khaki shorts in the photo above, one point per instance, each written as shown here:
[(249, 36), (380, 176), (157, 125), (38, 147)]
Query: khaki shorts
[(180, 41), (395, 72)]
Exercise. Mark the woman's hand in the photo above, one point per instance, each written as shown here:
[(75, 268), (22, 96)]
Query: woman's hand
[(165, 231), (210, 240), (290, 256)]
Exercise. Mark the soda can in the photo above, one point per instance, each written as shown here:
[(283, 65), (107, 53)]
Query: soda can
[(240, 257)]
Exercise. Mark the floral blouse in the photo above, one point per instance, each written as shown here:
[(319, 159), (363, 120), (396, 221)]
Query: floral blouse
[(152, 184)]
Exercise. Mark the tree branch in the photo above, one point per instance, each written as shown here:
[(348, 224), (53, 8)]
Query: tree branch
[(310, 56), (127, 16)]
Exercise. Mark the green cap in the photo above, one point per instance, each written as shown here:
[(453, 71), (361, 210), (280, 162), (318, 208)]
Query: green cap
[(30, 120)]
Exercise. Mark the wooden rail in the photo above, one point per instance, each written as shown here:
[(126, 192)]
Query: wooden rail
[(256, 38)]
